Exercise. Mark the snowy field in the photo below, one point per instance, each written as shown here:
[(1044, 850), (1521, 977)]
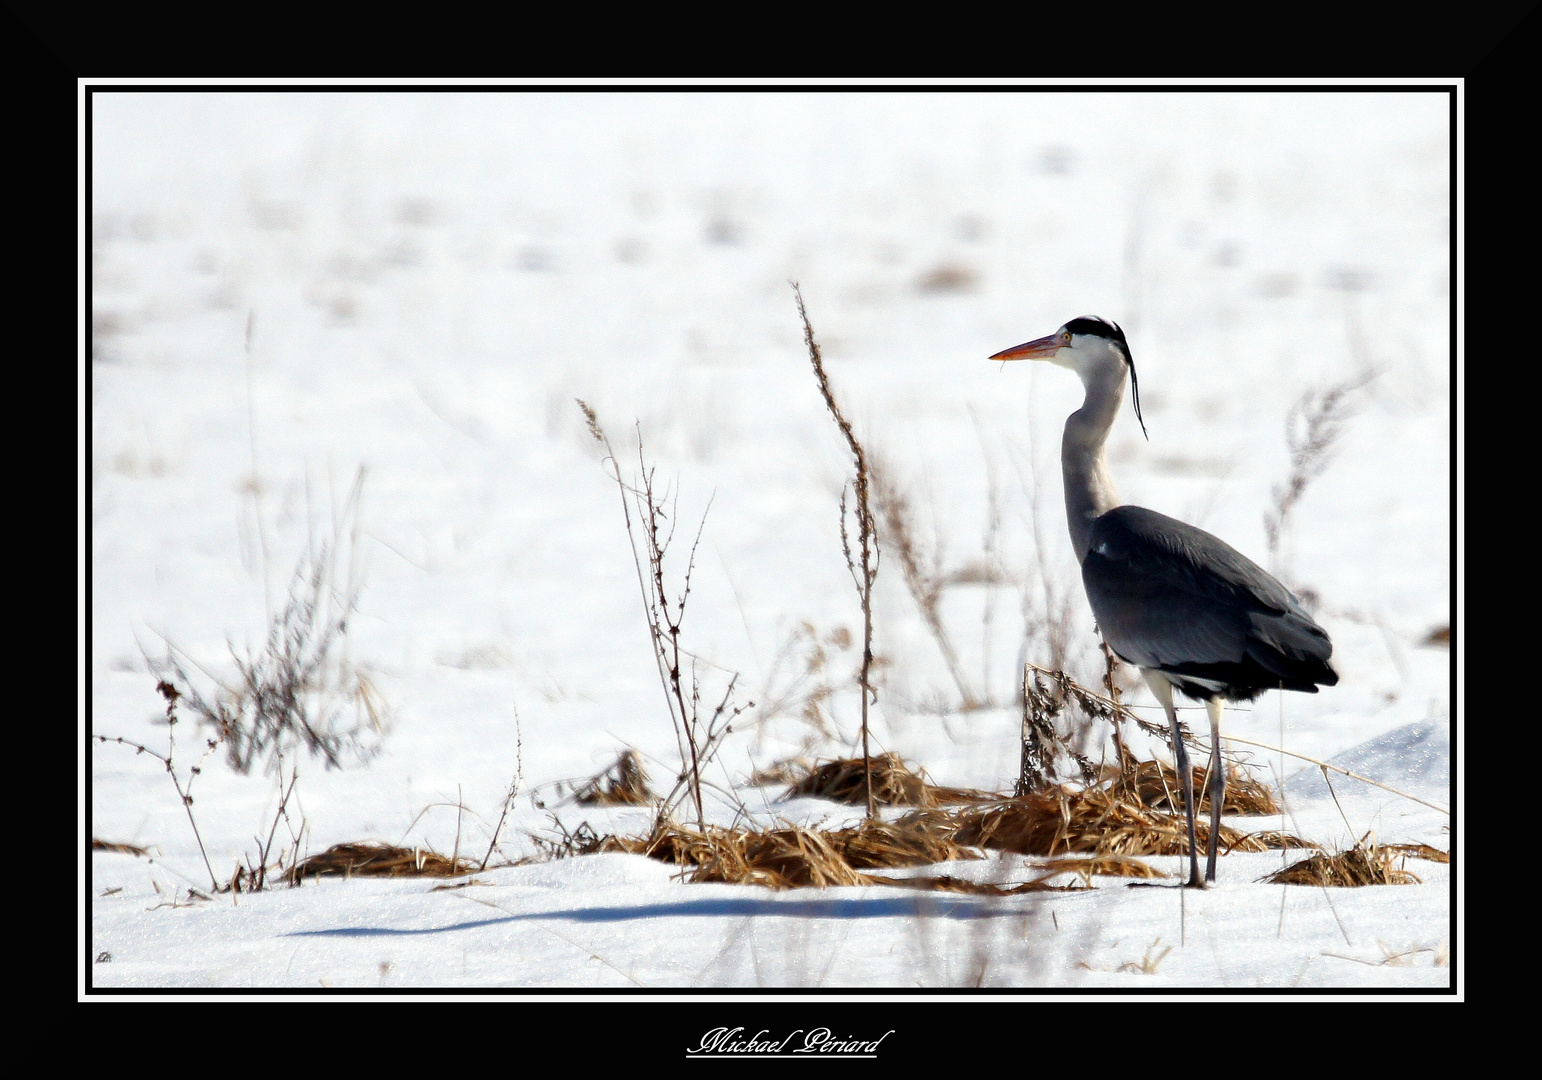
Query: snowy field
[(359, 323)]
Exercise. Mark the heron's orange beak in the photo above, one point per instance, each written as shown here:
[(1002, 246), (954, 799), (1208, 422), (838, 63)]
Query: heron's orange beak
[(1043, 349)]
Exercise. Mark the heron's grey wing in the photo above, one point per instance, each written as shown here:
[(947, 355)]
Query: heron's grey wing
[(1170, 596)]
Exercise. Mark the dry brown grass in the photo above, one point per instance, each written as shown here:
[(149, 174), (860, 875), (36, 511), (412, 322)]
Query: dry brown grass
[(122, 849), (946, 883), (895, 783), (1367, 863), (622, 784), (1088, 832), (783, 858), (913, 840), (795, 857), (786, 771), (374, 859), (1084, 869), (1095, 821), (1100, 866), (1419, 851), (1155, 784)]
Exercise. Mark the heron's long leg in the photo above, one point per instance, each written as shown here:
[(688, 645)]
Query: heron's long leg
[(1164, 693), (1216, 783)]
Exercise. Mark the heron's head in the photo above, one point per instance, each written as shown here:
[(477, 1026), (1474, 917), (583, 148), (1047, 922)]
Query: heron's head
[(1089, 346)]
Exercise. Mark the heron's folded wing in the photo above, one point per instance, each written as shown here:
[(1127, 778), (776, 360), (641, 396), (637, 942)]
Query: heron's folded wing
[(1166, 594)]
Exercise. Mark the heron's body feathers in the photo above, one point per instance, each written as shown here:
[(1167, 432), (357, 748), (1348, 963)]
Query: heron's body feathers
[(1174, 598)]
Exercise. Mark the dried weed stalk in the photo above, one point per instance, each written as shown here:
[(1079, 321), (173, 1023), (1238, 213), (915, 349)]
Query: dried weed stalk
[(1314, 424), (252, 876), (301, 690), (169, 759), (921, 568), (810, 684), (864, 568), (514, 785), (698, 731)]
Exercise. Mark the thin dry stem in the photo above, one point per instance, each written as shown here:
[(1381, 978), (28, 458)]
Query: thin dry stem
[(1312, 427), (867, 564), (921, 571), (697, 740)]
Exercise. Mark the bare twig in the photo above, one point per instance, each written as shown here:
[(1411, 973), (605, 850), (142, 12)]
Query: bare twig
[(666, 615), (508, 800), (184, 790)]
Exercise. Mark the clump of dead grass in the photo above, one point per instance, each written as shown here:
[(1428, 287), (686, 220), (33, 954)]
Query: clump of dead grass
[(1419, 851), (792, 856), (790, 771), (1367, 863), (122, 849), (1093, 831), (1100, 866), (1097, 821), (895, 783), (1085, 869), (623, 783), (784, 858), (1155, 784), (374, 859), (913, 840)]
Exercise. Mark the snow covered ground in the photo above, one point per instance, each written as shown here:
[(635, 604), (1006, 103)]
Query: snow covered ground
[(295, 293)]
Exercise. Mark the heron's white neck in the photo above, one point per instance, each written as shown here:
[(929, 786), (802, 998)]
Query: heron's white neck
[(1089, 489)]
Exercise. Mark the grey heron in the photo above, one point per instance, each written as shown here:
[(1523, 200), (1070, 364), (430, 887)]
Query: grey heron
[(1188, 609)]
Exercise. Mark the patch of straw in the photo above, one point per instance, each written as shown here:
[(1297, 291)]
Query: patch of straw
[(622, 784), (1095, 821), (1156, 784), (796, 857), (895, 783), (787, 771), (914, 840), (122, 849), (1101, 866), (375, 859), (1364, 864), (1419, 851)]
